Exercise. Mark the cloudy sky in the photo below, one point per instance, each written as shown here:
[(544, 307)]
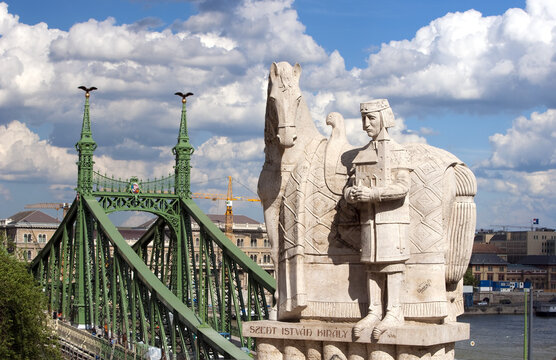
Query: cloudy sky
[(477, 78)]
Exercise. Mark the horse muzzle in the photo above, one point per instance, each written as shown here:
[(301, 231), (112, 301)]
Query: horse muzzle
[(287, 136)]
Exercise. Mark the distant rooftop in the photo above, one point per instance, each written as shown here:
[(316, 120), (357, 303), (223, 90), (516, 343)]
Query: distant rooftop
[(538, 260), (32, 216), (480, 248), (486, 259), (216, 219), (238, 219), (521, 267), (499, 236)]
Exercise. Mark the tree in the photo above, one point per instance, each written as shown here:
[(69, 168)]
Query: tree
[(23, 319), (468, 278)]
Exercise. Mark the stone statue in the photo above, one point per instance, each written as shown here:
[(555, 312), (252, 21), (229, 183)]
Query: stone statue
[(378, 236), (380, 187)]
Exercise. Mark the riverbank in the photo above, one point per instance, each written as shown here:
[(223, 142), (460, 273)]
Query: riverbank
[(504, 303), (496, 309)]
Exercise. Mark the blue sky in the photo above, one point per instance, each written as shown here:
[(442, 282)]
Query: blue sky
[(478, 83)]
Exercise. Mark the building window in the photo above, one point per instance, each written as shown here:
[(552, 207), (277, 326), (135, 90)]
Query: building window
[(42, 238), (197, 257), (501, 268), (253, 257), (27, 238), (253, 242), (266, 259), (500, 277), (29, 255), (477, 268), (490, 277), (197, 241), (239, 242), (266, 243), (477, 277), (489, 268)]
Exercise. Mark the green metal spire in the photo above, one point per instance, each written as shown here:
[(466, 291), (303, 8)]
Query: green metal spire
[(182, 152), (85, 147)]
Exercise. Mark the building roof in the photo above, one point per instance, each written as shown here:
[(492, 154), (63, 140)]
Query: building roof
[(521, 267), (499, 237), (32, 216), (147, 224), (216, 219), (131, 234), (238, 219), (486, 259), (538, 260), (481, 248)]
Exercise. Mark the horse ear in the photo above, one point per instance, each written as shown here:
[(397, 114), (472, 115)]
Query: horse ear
[(273, 70), (297, 70)]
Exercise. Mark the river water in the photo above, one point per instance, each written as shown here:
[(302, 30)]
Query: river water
[(500, 337)]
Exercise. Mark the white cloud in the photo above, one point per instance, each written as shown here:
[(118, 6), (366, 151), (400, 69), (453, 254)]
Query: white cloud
[(23, 155), (493, 60), (515, 197), (220, 157), (222, 55), (221, 148), (5, 193), (137, 218), (519, 179), (528, 144)]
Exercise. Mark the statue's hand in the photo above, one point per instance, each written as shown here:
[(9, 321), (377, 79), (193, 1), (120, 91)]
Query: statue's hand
[(365, 194), (351, 197)]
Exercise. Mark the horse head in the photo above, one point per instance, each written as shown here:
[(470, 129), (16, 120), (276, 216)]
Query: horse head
[(283, 101)]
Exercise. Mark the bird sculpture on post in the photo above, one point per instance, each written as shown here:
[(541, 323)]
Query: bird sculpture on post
[(87, 90), (183, 96)]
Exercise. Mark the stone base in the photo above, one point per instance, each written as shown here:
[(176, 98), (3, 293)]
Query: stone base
[(334, 341)]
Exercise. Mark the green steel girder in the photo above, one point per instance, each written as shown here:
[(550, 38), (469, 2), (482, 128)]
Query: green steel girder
[(235, 253), (92, 274), (45, 251), (147, 236), (163, 294), (163, 205)]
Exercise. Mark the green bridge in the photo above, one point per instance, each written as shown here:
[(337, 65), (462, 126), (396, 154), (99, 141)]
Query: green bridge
[(154, 293)]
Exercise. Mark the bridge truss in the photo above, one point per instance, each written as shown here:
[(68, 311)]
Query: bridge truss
[(157, 292)]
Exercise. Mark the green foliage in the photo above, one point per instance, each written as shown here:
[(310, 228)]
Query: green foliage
[(23, 321), (469, 279)]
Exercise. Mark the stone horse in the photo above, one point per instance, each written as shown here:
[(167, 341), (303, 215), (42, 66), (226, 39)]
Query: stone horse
[(315, 235)]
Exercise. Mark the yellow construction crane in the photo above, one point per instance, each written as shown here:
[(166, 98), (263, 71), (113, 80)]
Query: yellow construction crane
[(229, 200), (57, 206)]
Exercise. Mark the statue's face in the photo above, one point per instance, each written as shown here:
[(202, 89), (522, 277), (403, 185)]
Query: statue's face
[(371, 123)]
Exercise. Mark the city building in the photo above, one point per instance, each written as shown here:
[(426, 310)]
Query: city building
[(485, 263), (527, 274), (247, 234), (514, 245), (26, 232), (545, 265)]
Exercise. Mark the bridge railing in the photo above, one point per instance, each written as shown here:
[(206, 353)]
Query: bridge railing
[(107, 183), (223, 285), (75, 342), (93, 277)]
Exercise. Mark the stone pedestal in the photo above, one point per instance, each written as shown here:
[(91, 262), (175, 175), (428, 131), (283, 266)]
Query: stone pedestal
[(317, 340)]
